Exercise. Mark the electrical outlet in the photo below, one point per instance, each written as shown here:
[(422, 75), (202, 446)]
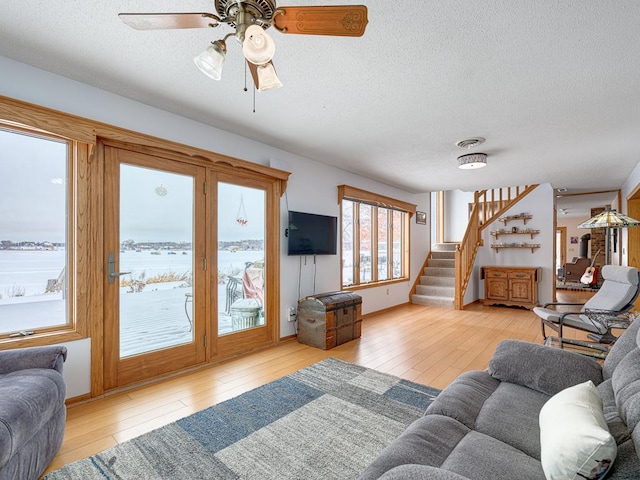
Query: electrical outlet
[(292, 314)]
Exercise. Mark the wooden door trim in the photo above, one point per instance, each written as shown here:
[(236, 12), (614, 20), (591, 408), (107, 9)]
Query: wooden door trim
[(633, 234), (563, 244), (120, 372), (440, 217), (235, 344)]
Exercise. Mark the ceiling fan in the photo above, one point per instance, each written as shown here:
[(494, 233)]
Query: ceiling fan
[(250, 19)]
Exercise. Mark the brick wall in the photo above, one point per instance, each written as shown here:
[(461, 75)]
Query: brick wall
[(598, 240)]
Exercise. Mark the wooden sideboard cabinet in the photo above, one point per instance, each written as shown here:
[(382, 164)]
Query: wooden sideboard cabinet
[(511, 286)]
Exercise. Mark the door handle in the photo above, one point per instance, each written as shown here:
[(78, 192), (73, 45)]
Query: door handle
[(112, 269)]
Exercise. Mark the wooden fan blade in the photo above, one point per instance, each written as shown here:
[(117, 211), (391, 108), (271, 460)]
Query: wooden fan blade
[(344, 20), (161, 21)]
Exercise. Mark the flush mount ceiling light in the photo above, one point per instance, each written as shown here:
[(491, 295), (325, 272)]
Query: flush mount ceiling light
[(472, 161), (250, 19)]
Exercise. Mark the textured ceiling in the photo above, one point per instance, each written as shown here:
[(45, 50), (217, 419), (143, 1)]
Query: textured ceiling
[(551, 85)]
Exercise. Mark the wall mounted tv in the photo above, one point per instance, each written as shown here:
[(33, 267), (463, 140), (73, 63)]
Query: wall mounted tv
[(311, 234)]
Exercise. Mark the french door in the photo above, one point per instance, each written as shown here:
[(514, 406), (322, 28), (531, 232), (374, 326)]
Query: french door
[(154, 290), (189, 264)]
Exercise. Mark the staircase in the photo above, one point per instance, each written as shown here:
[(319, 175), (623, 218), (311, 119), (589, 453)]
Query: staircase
[(448, 267), (437, 284)]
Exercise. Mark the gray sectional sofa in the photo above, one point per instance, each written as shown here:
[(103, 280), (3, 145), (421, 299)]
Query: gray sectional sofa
[(485, 424), (32, 410)]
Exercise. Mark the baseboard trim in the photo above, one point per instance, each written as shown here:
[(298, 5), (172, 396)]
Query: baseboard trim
[(388, 309)]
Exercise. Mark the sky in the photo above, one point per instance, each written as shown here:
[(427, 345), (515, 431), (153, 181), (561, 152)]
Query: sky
[(156, 206), (32, 188)]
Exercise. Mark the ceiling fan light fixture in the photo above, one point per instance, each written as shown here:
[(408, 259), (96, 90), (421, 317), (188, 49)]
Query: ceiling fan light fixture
[(258, 47), (472, 161), (267, 78), (210, 61)]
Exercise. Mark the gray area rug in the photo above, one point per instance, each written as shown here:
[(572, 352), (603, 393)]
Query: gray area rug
[(326, 421)]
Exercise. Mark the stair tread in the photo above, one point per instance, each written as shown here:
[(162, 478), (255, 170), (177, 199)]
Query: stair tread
[(432, 301), (447, 290)]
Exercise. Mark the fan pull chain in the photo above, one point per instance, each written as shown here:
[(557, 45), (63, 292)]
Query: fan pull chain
[(245, 87)]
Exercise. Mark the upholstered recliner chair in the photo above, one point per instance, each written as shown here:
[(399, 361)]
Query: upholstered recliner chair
[(32, 410), (572, 271), (616, 295)]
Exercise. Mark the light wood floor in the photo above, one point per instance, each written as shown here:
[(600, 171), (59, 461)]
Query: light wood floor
[(427, 345)]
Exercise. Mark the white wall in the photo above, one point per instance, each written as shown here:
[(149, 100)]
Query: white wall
[(456, 214), (311, 188)]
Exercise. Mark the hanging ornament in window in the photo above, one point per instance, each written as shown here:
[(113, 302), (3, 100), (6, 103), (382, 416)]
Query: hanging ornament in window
[(161, 191), (241, 217)]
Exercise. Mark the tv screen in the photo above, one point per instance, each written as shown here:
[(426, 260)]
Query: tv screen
[(311, 234)]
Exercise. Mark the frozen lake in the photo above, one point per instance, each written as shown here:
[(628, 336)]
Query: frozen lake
[(155, 316), (31, 269)]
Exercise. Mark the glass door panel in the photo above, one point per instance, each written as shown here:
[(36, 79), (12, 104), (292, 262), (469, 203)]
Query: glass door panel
[(155, 287), (156, 239), (241, 258)]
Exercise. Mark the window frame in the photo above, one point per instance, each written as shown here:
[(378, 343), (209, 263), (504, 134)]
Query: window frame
[(76, 245), (376, 201)]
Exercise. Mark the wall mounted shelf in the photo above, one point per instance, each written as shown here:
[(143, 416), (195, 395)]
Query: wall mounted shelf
[(526, 231), (521, 216), (498, 246)]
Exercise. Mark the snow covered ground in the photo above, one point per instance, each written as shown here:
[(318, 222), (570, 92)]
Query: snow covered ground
[(152, 319)]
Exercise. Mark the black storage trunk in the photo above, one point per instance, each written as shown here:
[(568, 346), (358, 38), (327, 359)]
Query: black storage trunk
[(329, 319)]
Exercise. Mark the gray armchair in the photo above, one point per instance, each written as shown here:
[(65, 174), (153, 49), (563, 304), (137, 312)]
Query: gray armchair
[(32, 410)]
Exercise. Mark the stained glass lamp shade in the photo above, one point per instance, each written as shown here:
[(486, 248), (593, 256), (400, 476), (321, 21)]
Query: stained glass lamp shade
[(610, 219)]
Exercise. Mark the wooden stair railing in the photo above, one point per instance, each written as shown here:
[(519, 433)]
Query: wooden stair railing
[(466, 256), (487, 207), (493, 203)]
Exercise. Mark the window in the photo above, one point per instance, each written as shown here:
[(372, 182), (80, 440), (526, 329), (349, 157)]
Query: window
[(375, 237), (35, 224)]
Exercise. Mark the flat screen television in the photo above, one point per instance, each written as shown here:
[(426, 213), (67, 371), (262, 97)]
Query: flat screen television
[(311, 234)]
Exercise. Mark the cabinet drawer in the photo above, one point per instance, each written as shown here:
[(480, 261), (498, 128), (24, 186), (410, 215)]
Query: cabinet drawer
[(496, 274), (521, 275)]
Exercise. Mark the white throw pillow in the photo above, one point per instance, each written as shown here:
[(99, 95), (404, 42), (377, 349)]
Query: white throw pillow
[(574, 438)]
